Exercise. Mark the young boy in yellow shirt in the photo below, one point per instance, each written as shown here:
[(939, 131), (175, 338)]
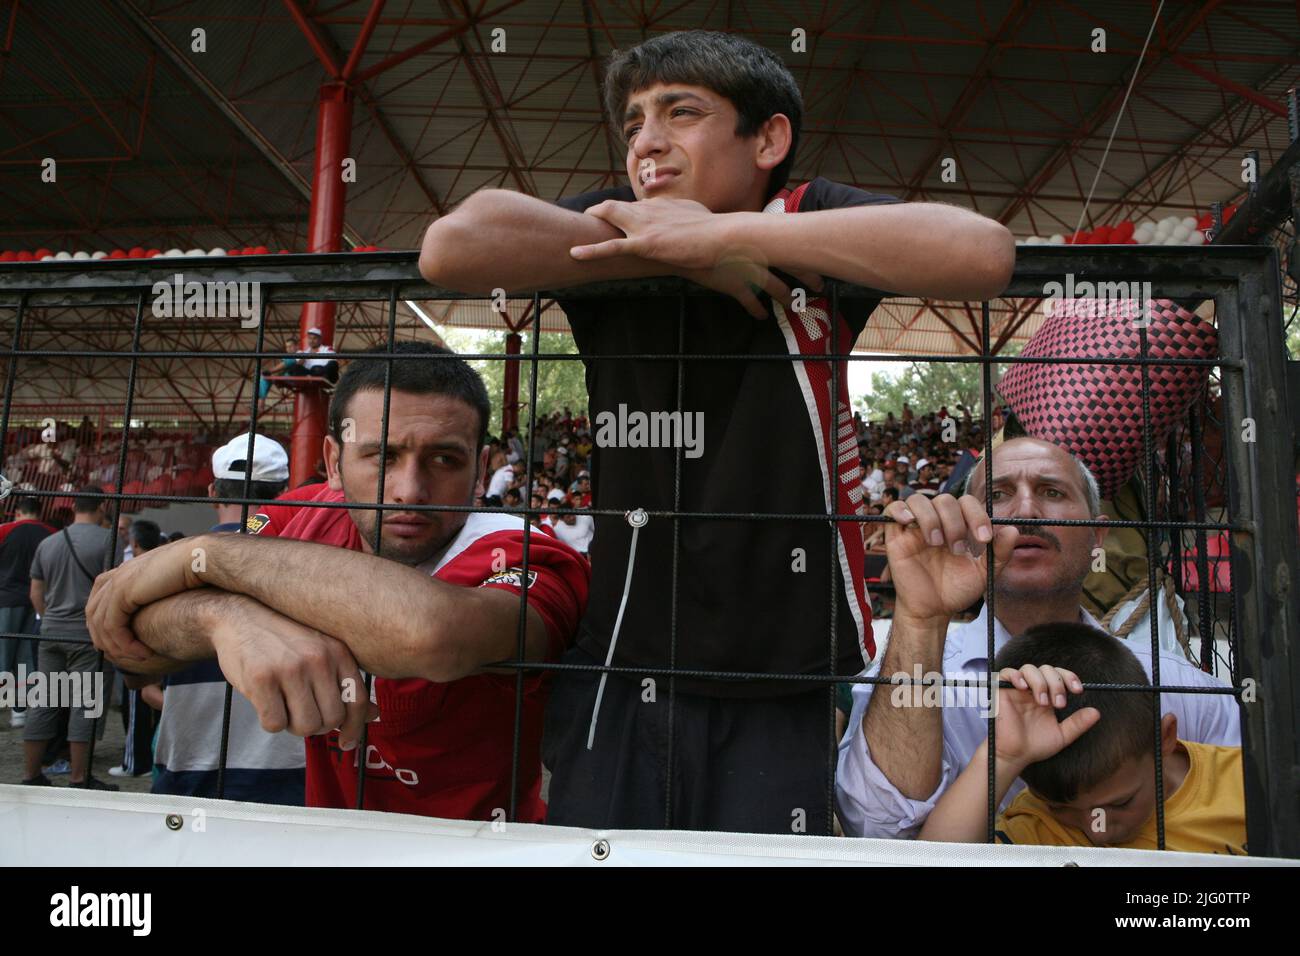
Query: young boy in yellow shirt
[(1086, 758)]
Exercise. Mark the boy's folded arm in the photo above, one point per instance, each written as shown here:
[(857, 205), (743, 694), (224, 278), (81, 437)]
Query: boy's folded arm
[(499, 239), (961, 815), (924, 249)]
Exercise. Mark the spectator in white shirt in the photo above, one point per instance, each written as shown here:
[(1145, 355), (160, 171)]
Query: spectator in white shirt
[(318, 363), (897, 760), (575, 530), (499, 483), (874, 482)]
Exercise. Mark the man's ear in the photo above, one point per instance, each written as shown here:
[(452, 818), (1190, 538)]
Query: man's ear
[(1100, 533), (333, 463), (772, 142)]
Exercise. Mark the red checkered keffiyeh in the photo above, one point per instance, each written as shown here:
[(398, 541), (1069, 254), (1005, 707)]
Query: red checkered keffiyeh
[(1095, 411)]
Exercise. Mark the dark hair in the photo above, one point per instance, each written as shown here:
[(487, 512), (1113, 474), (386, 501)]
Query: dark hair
[(27, 505), (146, 533), (755, 80), (452, 377), (1124, 730), (261, 490), (890, 492), (84, 504), (175, 536)]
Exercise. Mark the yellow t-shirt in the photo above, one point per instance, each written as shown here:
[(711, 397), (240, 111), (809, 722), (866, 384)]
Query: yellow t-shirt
[(1207, 814)]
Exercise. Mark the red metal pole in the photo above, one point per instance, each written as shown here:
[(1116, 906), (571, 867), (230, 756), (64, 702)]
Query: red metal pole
[(324, 234), (510, 385)]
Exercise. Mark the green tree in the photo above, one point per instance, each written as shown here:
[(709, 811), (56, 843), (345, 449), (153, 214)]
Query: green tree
[(560, 382), (926, 387)]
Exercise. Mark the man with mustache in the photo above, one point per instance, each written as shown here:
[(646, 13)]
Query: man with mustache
[(902, 751)]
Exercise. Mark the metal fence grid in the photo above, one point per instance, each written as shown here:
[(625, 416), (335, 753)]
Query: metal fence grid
[(1264, 624)]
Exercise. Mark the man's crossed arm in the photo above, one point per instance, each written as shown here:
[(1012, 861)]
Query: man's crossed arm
[(287, 632)]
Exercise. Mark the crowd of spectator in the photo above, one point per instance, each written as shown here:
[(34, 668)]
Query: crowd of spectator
[(909, 454), (902, 454), (561, 476)]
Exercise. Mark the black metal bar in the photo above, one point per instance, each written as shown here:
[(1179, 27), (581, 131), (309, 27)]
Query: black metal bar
[(1222, 691), (1117, 362), (670, 744), (4, 424), (112, 534), (12, 377), (228, 697), (302, 278), (1172, 458), (1153, 550), (716, 515), (1264, 582), (1206, 625), (990, 607), (363, 745), (832, 506), (521, 645)]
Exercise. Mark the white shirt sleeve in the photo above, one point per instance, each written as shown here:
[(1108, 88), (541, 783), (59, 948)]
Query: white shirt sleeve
[(868, 803)]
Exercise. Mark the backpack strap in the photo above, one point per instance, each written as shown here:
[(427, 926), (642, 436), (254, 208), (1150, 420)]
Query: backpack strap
[(75, 557)]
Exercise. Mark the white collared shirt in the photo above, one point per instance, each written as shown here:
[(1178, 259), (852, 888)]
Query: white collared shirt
[(870, 805)]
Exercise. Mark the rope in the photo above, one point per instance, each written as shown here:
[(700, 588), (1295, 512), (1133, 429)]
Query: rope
[(1165, 583)]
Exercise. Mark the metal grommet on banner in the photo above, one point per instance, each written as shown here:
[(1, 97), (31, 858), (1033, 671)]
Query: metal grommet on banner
[(600, 850), (637, 518), (174, 821)]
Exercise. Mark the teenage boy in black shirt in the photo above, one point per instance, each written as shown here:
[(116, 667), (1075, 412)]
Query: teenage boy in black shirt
[(711, 123)]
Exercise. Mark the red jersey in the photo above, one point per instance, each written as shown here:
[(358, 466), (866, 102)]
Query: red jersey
[(445, 750)]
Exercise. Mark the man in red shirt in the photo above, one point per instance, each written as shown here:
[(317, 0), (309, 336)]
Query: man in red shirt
[(425, 608)]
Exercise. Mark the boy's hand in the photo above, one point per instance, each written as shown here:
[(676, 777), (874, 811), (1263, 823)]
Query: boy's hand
[(695, 244), (1027, 728), (677, 232)]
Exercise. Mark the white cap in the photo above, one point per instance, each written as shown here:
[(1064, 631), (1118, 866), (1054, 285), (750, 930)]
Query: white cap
[(313, 331), (922, 463), (904, 459), (270, 463)]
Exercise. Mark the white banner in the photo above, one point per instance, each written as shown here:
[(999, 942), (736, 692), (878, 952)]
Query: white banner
[(62, 827)]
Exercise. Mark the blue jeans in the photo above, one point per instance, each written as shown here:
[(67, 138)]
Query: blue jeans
[(15, 651)]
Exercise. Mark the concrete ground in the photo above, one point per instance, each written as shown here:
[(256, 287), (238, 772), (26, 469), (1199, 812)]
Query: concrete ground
[(108, 753)]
